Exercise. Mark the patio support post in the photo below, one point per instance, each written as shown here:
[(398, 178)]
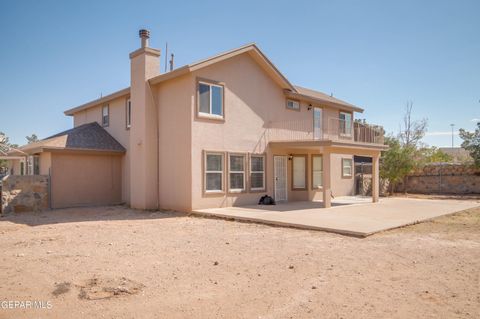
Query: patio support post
[(327, 191), (375, 177)]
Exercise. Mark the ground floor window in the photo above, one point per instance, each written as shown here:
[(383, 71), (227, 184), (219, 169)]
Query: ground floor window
[(214, 172), (257, 172), (236, 171), (317, 171), (347, 167), (33, 165), (299, 168)]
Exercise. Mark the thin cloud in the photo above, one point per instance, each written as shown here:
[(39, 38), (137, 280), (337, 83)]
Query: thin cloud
[(449, 133), (475, 120)]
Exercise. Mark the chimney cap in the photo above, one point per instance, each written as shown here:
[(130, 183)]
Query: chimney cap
[(144, 33)]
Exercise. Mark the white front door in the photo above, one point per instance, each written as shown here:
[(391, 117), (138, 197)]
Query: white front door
[(280, 171), (317, 123)]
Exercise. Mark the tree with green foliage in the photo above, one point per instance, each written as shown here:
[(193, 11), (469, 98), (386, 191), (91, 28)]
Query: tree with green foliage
[(4, 148), (433, 155), (32, 139), (471, 143), (396, 162)]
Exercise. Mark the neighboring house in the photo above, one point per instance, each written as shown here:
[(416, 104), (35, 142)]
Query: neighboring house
[(458, 154), (220, 132)]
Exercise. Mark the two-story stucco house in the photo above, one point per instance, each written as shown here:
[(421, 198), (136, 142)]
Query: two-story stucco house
[(220, 132)]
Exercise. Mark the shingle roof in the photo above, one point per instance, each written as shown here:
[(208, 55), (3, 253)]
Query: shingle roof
[(91, 137)]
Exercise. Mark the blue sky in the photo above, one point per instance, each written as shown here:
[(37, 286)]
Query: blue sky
[(55, 55)]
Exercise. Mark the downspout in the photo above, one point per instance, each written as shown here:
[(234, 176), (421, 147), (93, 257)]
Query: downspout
[(158, 142)]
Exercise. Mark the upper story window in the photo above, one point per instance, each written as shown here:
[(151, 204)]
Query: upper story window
[(293, 105), (105, 115), (345, 124), (210, 100), (128, 113)]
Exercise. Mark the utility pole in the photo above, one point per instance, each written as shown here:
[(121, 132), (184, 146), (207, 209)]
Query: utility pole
[(452, 125)]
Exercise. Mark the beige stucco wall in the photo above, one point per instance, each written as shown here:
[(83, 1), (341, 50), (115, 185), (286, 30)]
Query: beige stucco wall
[(252, 101), (175, 140), (144, 146), (340, 186), (14, 166), (85, 179), (117, 128), (45, 163)]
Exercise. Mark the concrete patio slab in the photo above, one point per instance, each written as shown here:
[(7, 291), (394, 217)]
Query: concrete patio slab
[(348, 216)]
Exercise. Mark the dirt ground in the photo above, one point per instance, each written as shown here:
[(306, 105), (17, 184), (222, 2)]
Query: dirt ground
[(113, 262)]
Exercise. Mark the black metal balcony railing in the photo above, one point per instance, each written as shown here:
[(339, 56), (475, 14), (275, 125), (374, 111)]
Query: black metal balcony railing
[(331, 129)]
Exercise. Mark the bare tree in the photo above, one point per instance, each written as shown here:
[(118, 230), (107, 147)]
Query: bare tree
[(413, 130)]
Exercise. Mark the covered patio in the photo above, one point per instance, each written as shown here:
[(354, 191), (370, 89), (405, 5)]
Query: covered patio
[(353, 216), (330, 176)]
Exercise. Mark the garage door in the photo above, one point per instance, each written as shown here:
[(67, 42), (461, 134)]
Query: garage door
[(85, 180)]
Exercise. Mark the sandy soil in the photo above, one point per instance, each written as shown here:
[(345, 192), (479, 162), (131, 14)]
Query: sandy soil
[(113, 262)]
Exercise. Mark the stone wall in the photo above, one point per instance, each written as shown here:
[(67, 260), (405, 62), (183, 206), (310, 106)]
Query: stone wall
[(24, 193), (443, 179)]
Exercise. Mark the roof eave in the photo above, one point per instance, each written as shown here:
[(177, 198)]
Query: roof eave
[(106, 98), (252, 47), (324, 102), (82, 150)]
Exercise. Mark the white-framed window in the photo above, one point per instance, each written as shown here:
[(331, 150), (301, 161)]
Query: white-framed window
[(214, 172), (33, 165), (29, 165), (293, 105), (128, 113), (236, 172), (257, 172), (317, 171), (210, 100), (347, 167), (299, 165), (105, 115), (345, 124)]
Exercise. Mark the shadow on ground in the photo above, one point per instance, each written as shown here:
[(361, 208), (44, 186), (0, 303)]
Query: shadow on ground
[(86, 214)]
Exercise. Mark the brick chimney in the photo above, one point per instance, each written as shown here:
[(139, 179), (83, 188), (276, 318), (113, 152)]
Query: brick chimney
[(142, 159)]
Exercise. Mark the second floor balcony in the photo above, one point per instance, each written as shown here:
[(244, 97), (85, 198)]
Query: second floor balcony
[(330, 129)]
